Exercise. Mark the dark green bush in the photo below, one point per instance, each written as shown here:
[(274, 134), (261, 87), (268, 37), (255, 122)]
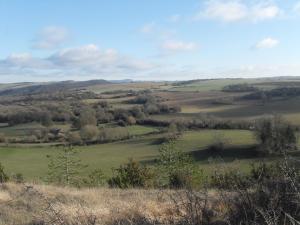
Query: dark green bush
[(180, 179), (131, 175)]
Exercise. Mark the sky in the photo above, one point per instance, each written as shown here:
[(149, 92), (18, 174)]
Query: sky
[(54, 40)]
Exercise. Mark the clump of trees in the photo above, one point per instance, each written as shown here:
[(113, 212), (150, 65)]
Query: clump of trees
[(245, 87), (152, 105), (283, 92), (275, 135), (202, 122)]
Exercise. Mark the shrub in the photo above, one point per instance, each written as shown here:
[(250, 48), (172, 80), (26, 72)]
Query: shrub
[(180, 179), (29, 139), (218, 143), (17, 178), (2, 138), (275, 135), (89, 133), (175, 166), (95, 179), (230, 179), (87, 117), (3, 176), (264, 171), (130, 120), (131, 175), (113, 134), (137, 112), (273, 201), (46, 119), (74, 138)]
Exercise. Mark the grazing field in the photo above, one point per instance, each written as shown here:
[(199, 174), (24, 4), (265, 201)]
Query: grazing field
[(210, 85), (32, 160)]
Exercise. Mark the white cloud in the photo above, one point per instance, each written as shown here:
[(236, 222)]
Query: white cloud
[(85, 60), (238, 10), (148, 28), (264, 11), (175, 45), (24, 60), (224, 11), (51, 37), (267, 43)]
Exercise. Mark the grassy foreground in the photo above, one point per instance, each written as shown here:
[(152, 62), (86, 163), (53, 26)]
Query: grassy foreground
[(29, 205)]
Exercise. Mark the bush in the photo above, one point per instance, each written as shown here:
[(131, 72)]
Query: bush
[(17, 178), (89, 133), (180, 179), (275, 135), (218, 143), (95, 179), (230, 179), (264, 171), (273, 200), (131, 175), (87, 117), (113, 134), (2, 138), (175, 166), (3, 176), (74, 138), (130, 120)]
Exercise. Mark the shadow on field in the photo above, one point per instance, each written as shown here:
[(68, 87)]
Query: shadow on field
[(227, 154)]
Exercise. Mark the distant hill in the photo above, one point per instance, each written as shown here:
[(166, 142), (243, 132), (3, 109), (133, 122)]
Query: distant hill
[(35, 88)]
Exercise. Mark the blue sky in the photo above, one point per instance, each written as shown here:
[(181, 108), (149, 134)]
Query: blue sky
[(148, 40)]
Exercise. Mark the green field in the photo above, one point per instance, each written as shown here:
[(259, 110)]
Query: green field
[(32, 161), (210, 85)]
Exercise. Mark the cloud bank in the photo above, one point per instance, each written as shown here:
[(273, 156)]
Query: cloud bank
[(87, 60)]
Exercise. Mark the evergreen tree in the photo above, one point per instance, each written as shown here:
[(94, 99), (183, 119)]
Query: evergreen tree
[(65, 167)]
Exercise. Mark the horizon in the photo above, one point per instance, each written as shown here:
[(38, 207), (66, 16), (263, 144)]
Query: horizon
[(115, 81), (148, 41)]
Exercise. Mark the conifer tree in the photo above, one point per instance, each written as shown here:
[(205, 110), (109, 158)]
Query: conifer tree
[(65, 167)]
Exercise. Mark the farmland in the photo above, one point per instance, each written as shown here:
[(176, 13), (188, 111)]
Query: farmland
[(26, 149)]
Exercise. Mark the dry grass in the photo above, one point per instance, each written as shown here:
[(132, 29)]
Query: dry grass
[(42, 204)]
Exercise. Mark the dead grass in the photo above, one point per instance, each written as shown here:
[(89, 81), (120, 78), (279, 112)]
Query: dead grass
[(23, 204), (36, 204)]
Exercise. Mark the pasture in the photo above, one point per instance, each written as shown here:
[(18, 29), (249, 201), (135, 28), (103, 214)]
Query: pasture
[(31, 160)]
